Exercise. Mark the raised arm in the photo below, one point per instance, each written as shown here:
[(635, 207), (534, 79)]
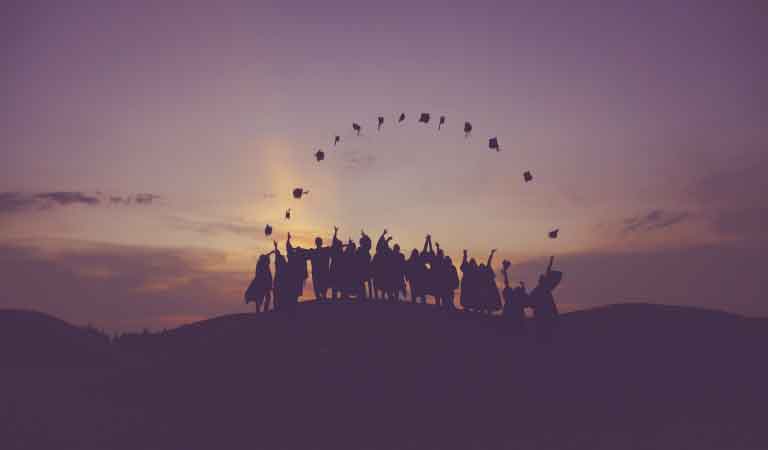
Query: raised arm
[(464, 258), (490, 258), (381, 242), (506, 277), (276, 251), (288, 246), (551, 261), (426, 241)]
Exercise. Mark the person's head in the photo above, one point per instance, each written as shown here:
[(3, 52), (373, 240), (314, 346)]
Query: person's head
[(448, 260), (414, 253), (352, 247), (473, 263), (440, 253), (396, 248), (318, 242), (481, 266)]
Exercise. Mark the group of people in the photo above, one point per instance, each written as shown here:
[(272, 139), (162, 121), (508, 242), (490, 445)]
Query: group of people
[(343, 271)]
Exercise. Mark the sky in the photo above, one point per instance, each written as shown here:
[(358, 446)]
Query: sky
[(145, 145)]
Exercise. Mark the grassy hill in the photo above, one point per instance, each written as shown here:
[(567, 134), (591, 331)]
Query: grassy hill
[(407, 376)]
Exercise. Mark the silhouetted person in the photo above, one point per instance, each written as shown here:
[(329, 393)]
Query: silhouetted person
[(469, 291), (489, 292), (515, 301), (365, 272), (296, 274), (415, 272), (260, 289), (281, 281), (396, 269), (452, 283), (545, 309), (320, 257)]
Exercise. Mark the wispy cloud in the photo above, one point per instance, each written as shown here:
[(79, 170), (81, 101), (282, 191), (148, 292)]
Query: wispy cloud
[(16, 202), (654, 220)]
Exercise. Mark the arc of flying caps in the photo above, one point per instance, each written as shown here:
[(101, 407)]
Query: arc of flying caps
[(268, 230), (467, 129), (356, 127), (553, 233), (442, 122), (493, 143), (336, 140), (319, 155), (424, 118), (401, 119), (298, 192), (381, 122), (527, 176)]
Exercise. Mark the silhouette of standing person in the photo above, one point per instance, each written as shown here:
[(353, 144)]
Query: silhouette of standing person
[(452, 283), (336, 277), (491, 301), (281, 281), (415, 274), (469, 294), (260, 289), (515, 300), (296, 275), (363, 264), (546, 314), (320, 258)]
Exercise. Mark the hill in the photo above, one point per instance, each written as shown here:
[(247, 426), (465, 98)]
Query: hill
[(407, 376)]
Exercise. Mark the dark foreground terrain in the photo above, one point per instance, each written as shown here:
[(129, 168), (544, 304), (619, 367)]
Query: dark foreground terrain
[(381, 376)]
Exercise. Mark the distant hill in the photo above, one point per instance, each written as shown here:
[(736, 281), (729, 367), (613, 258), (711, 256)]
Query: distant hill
[(33, 339), (384, 376)]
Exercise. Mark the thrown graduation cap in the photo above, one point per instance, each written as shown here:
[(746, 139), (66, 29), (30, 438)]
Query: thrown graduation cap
[(298, 192), (467, 129), (381, 122), (424, 118), (553, 233), (493, 143), (357, 128), (319, 155), (442, 122), (336, 140), (268, 230), (401, 118), (527, 176), (287, 213)]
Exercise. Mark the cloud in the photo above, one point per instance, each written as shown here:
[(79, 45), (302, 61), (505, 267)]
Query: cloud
[(16, 202), (654, 220), (68, 198), (118, 287)]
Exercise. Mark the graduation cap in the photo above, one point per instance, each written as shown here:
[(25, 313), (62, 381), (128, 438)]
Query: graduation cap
[(401, 118), (553, 233), (336, 140), (268, 230), (527, 176), (424, 118), (298, 192), (493, 143), (288, 214), (381, 122), (467, 129), (442, 122), (319, 155), (357, 128)]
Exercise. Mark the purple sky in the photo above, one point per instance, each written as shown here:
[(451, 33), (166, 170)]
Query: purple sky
[(644, 124)]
